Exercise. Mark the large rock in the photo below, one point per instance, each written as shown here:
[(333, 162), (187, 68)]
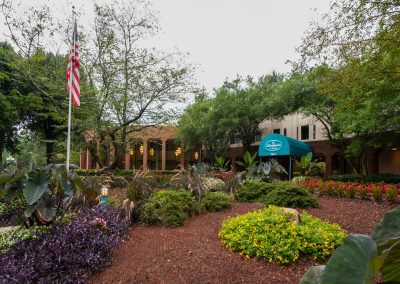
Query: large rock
[(294, 215), (126, 210)]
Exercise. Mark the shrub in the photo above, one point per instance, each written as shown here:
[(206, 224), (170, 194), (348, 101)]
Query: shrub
[(391, 194), (341, 192), (377, 193), (253, 189), (362, 191), (289, 195), (9, 238), (68, 252), (215, 201), (351, 191), (168, 208), (370, 178), (214, 184), (268, 234)]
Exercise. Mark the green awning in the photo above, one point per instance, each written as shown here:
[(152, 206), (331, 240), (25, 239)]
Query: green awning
[(279, 145)]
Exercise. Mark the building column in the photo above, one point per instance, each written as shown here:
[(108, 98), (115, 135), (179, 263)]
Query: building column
[(88, 160), (182, 157), (82, 161), (128, 156), (145, 154), (163, 154), (328, 164)]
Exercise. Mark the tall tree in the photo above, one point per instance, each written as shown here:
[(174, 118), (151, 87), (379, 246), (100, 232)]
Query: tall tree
[(135, 87)]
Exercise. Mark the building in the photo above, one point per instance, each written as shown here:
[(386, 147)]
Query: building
[(157, 148)]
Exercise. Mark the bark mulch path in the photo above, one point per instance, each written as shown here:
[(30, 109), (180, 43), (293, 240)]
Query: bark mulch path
[(194, 254)]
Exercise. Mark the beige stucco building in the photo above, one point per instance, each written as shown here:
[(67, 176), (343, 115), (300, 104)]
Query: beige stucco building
[(158, 148)]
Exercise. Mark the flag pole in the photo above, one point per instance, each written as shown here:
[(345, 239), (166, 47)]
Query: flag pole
[(70, 104)]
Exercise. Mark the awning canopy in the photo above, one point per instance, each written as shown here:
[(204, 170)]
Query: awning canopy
[(279, 145)]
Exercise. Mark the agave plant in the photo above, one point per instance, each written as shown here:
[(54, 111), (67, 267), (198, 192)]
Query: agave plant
[(362, 257)]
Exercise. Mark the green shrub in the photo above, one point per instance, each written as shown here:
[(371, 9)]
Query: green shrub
[(391, 194), (370, 178), (340, 190), (269, 234), (377, 193), (215, 201), (9, 238), (253, 189), (214, 184), (289, 195), (363, 193), (351, 191), (168, 208)]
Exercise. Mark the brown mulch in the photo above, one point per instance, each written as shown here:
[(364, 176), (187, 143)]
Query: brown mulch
[(194, 254)]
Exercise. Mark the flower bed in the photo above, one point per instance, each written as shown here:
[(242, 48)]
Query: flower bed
[(269, 234), (68, 253), (376, 191)]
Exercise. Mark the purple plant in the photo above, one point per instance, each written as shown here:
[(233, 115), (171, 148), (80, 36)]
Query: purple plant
[(69, 253)]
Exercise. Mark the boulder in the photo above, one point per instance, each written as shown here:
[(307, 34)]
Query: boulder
[(294, 215), (126, 210)]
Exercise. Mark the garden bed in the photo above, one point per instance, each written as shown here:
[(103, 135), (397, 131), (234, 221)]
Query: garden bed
[(194, 253)]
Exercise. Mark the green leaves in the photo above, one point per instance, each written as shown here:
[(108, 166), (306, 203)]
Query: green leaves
[(350, 262), (36, 184), (313, 275), (47, 207), (388, 227), (361, 257)]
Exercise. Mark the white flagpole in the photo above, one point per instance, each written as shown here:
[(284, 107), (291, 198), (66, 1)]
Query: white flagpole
[(70, 97)]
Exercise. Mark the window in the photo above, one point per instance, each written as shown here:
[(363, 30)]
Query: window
[(297, 133), (314, 133), (258, 136), (284, 131), (235, 139), (278, 131), (305, 129)]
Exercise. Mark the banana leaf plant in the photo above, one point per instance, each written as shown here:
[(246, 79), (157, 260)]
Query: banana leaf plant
[(221, 163), (43, 190), (248, 160), (362, 257)]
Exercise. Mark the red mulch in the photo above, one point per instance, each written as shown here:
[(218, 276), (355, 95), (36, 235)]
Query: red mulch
[(194, 254)]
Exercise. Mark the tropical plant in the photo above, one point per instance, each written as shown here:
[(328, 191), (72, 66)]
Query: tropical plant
[(362, 257), (307, 166), (267, 171), (248, 160), (221, 163), (43, 190)]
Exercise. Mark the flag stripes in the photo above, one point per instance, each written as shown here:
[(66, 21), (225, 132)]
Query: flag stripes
[(73, 86)]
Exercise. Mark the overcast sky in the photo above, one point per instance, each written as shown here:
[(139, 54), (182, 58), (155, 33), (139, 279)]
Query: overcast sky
[(228, 37)]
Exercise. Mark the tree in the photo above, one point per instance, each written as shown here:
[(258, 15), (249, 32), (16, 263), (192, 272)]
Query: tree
[(8, 110), (198, 126), (242, 104), (133, 85)]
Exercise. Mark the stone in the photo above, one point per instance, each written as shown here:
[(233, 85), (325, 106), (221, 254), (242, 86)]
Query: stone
[(294, 215), (126, 210)]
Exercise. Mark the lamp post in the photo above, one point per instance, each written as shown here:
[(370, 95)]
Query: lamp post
[(104, 197)]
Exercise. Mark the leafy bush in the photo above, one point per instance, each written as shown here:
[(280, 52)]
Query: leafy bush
[(253, 189), (269, 234), (391, 194), (215, 201), (370, 178), (68, 252), (377, 193), (9, 238), (168, 208), (362, 257), (214, 184), (289, 195)]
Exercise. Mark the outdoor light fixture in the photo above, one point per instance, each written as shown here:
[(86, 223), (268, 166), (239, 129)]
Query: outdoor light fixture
[(141, 149), (394, 149), (131, 152), (178, 151), (104, 197), (196, 155), (151, 152)]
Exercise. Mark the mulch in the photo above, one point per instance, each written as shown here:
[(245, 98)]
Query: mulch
[(194, 254)]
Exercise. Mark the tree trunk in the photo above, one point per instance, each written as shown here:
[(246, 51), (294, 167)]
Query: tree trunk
[(49, 152), (2, 140)]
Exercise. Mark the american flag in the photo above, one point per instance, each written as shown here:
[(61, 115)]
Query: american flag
[(73, 79)]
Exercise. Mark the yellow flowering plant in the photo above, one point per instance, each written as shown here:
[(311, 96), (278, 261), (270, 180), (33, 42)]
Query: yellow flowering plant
[(269, 234)]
